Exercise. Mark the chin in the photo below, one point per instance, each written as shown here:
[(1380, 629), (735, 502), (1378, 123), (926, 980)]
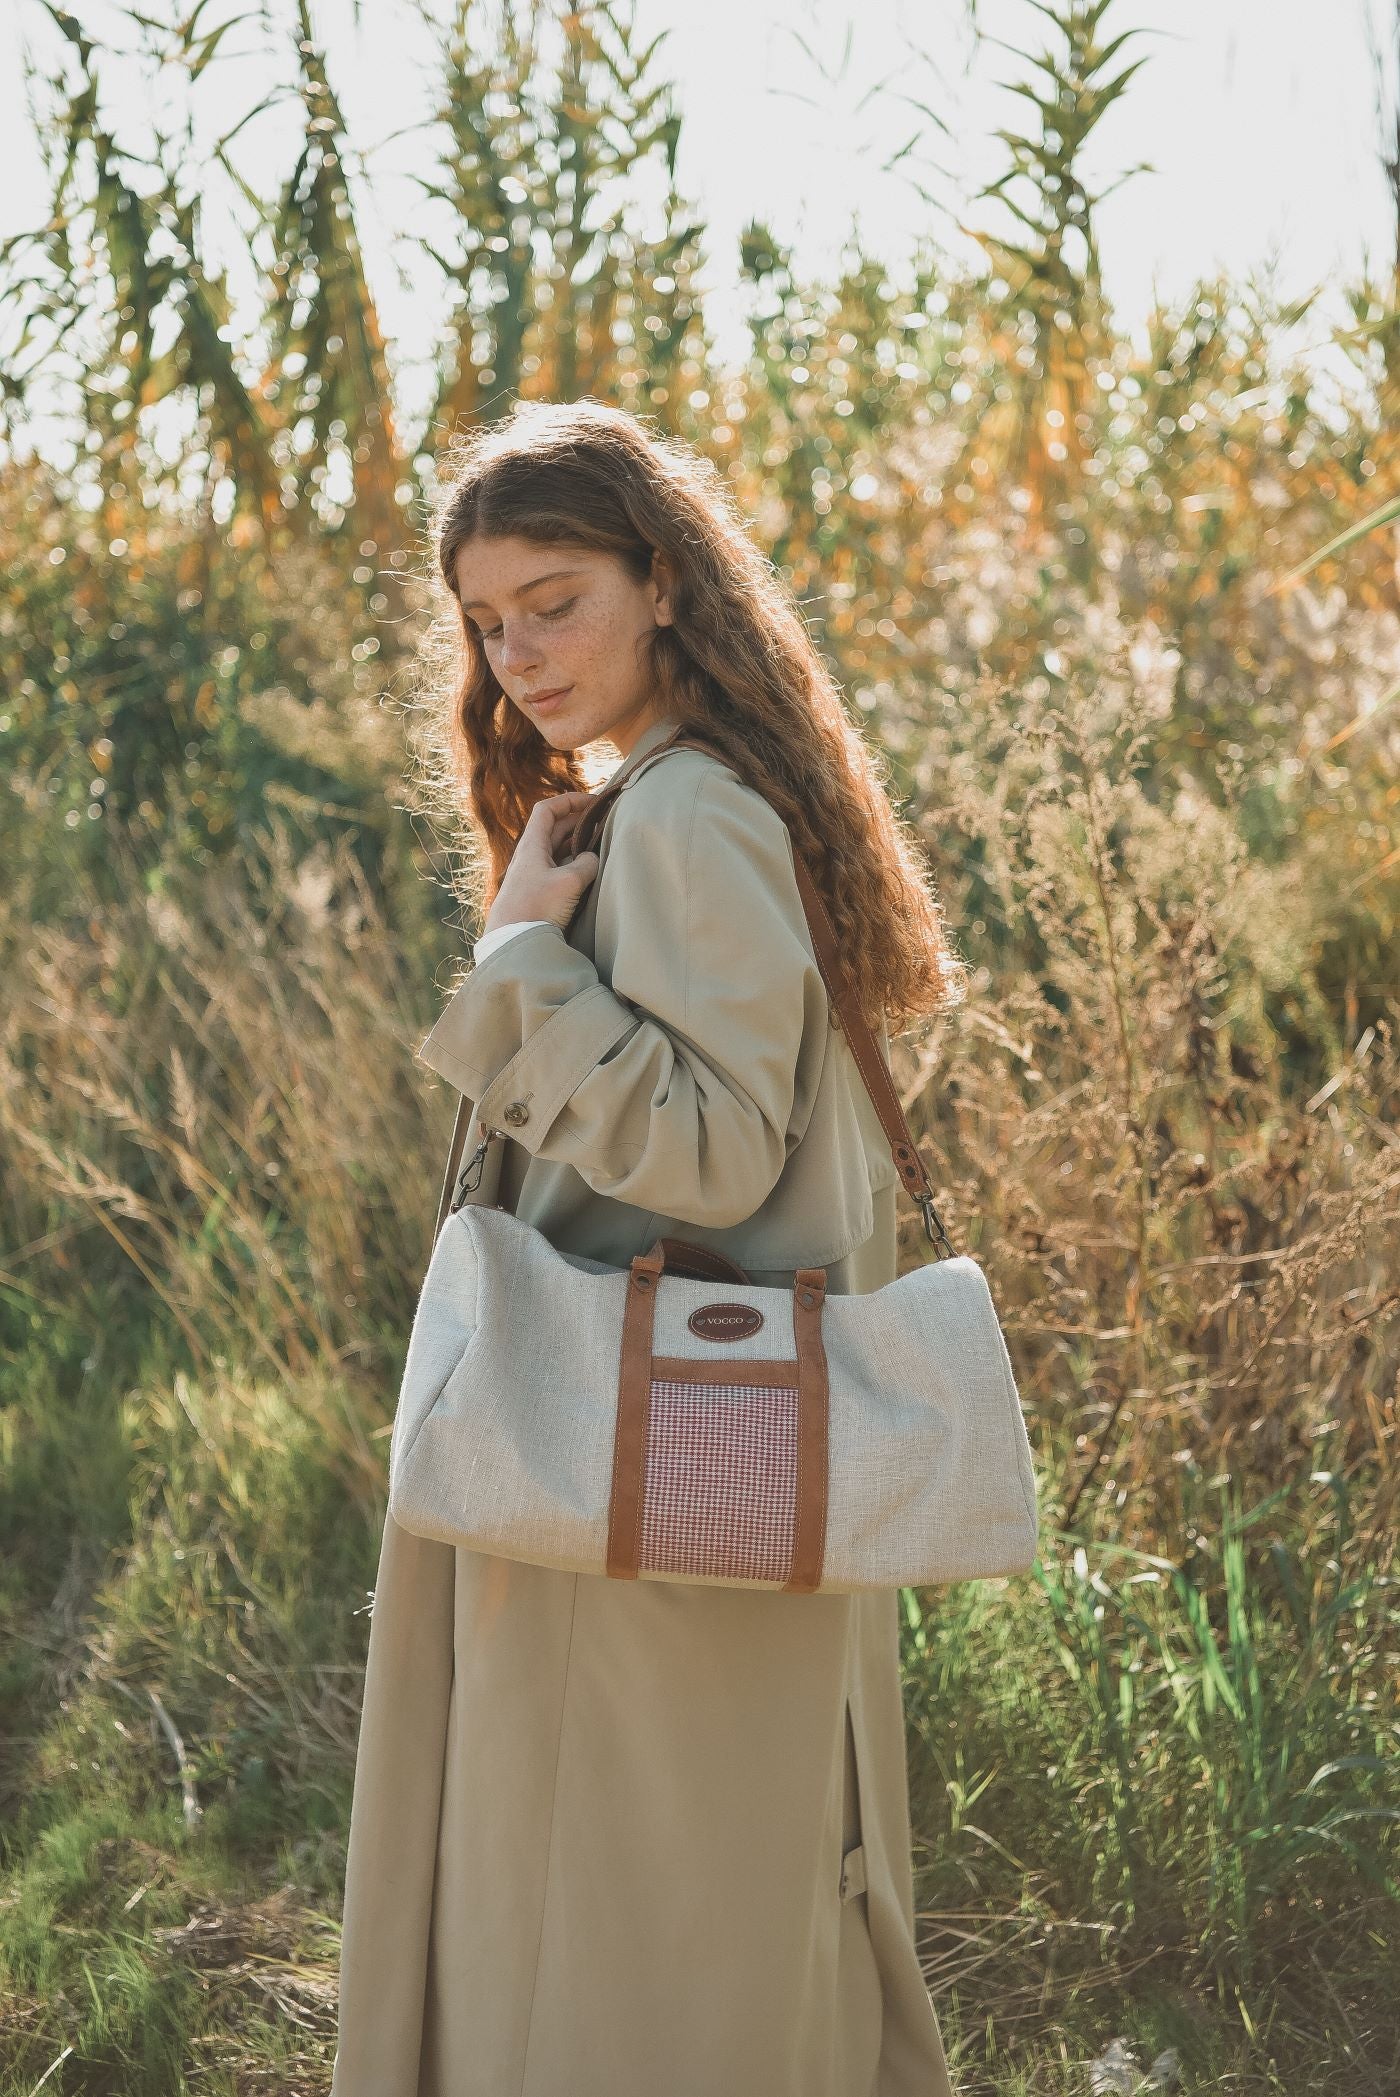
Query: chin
[(570, 734), (561, 735), (566, 731), (553, 731)]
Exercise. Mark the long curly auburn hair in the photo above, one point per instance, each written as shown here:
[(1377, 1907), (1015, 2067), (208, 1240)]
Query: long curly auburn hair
[(736, 665)]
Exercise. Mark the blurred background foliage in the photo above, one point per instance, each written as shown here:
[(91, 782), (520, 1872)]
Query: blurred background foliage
[(1122, 612)]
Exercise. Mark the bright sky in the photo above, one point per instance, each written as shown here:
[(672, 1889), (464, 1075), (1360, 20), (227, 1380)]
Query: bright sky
[(1259, 117)]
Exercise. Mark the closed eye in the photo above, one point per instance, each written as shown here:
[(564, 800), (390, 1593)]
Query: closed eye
[(557, 611)]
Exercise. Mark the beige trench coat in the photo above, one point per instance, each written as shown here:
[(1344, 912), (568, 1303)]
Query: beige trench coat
[(638, 1838)]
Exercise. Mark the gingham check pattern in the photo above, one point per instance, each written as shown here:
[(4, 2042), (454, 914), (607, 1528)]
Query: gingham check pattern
[(720, 1487)]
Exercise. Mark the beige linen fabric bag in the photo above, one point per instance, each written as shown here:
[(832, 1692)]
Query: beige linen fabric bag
[(674, 1421)]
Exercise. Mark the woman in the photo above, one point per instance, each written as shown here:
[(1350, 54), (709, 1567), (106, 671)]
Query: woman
[(641, 1838)]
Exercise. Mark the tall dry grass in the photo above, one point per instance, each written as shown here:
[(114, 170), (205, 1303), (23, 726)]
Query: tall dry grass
[(208, 1107)]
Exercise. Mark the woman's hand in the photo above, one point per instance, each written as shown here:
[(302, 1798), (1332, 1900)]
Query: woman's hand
[(534, 885)]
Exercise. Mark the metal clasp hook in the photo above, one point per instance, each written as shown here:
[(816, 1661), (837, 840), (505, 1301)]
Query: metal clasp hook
[(466, 1183), (931, 1218)]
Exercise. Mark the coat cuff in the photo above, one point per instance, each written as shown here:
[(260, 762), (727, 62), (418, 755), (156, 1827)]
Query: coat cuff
[(523, 1029), (489, 941)]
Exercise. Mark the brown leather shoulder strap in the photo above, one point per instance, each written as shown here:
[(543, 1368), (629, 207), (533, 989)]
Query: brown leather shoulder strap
[(874, 1070)]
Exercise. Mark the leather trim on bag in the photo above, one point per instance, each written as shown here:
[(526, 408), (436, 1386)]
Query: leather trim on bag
[(813, 1406), (733, 1369), (633, 1402)]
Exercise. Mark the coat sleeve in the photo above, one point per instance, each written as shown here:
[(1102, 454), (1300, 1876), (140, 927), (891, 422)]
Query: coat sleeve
[(671, 1085)]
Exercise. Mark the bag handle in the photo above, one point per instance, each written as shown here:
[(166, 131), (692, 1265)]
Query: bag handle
[(697, 1262), (874, 1071)]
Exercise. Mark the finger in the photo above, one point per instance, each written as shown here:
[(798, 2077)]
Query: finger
[(556, 808), (567, 827)]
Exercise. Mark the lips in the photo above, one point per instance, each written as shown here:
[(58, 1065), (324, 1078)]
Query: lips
[(542, 700)]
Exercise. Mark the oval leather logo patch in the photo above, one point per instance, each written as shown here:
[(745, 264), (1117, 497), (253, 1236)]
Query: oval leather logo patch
[(725, 1321)]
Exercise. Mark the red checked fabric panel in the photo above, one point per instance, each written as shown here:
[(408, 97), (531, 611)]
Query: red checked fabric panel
[(719, 1495)]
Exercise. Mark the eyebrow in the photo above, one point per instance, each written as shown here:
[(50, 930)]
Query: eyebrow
[(477, 605)]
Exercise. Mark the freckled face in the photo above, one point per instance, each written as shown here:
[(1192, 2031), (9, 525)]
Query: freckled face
[(566, 619)]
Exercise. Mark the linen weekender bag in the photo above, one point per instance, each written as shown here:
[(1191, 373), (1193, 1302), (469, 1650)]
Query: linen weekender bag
[(672, 1420)]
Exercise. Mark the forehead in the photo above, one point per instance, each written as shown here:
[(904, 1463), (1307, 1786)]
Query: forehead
[(496, 571)]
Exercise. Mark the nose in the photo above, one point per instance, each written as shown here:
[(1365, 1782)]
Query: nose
[(518, 654)]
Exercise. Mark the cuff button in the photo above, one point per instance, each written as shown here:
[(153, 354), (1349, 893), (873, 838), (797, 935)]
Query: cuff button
[(516, 1113)]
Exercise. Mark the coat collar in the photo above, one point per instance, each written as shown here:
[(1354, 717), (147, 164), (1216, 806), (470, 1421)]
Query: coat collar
[(649, 740)]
